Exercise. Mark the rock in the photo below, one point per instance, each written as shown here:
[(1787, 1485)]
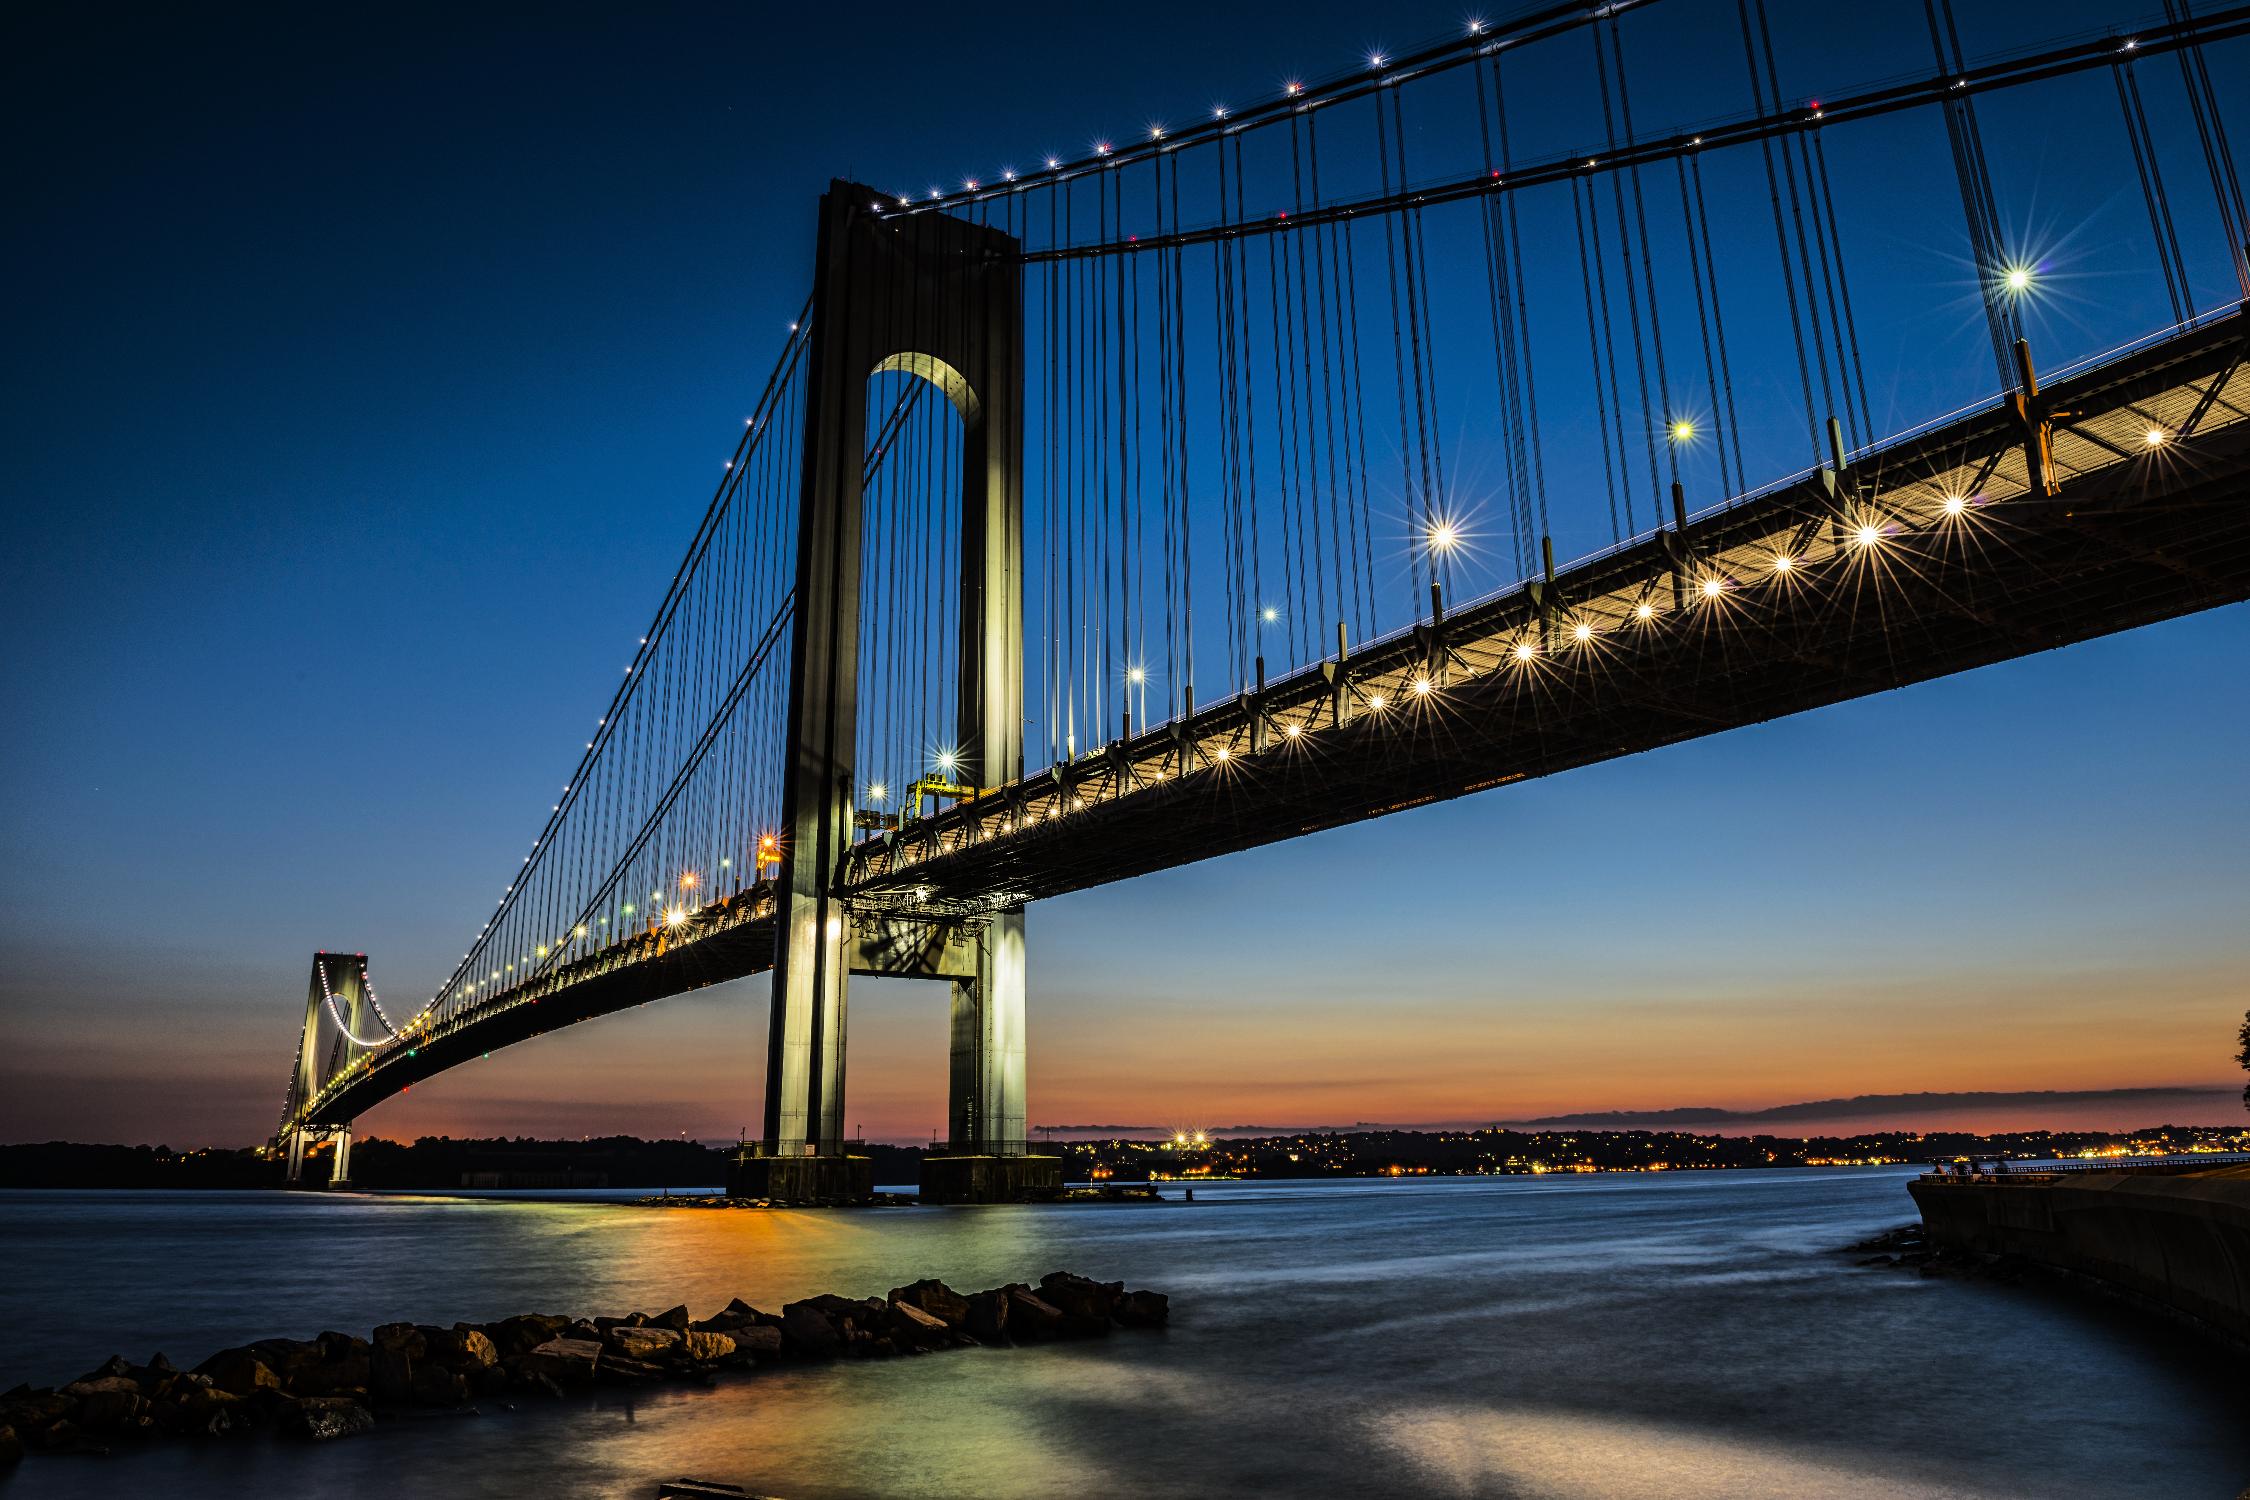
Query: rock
[(935, 1298), (912, 1328), (239, 1372), (525, 1332), (736, 1314), (1143, 1310), (707, 1348), (404, 1336), (462, 1346), (114, 1411), (988, 1317), (434, 1385), (319, 1419), (390, 1373), (647, 1343), (1084, 1304), (291, 1360), (206, 1411), (673, 1318), (759, 1341), (808, 1333), (114, 1367), (564, 1361), (11, 1449), (625, 1371), (1032, 1317), (102, 1384)]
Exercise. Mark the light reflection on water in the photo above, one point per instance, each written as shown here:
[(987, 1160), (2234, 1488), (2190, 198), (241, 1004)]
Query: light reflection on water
[(1679, 1337)]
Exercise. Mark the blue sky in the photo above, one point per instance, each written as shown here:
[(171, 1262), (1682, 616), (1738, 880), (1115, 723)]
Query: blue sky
[(370, 370)]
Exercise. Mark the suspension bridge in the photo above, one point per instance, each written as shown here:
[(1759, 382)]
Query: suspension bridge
[(1207, 490)]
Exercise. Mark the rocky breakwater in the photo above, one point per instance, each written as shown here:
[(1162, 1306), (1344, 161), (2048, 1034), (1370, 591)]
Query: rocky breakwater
[(338, 1384)]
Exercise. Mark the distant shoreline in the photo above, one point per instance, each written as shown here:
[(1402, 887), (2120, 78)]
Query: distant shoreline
[(473, 1167)]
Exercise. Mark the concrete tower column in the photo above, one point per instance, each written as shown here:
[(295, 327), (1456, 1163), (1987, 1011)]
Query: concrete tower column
[(939, 298), (340, 1172)]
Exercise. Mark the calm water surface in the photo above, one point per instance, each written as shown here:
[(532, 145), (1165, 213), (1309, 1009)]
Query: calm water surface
[(1674, 1338)]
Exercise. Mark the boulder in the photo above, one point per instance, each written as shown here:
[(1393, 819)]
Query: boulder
[(525, 1332), (112, 1411), (935, 1298), (809, 1333), (564, 1361), (404, 1336), (289, 1359), (707, 1348), (912, 1328), (320, 1419), (736, 1314), (1143, 1310), (757, 1341), (11, 1448), (205, 1411), (988, 1317), (1032, 1317), (390, 1374), (461, 1347), (435, 1385), (675, 1318), (109, 1369), (623, 1371), (1081, 1296), (102, 1385), (649, 1343), (239, 1372)]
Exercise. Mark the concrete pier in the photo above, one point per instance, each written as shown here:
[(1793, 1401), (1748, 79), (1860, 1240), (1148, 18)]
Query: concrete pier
[(2176, 1241), (802, 1179), (991, 1179)]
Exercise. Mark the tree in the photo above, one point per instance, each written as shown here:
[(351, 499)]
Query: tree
[(2243, 1057)]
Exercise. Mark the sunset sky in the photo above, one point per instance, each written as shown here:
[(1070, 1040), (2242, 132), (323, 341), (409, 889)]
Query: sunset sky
[(366, 387)]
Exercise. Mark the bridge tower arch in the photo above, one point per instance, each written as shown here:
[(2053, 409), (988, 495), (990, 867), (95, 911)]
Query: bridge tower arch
[(939, 298)]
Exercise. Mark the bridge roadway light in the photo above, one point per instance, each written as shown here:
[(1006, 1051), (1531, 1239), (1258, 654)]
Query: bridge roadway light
[(1644, 611), (1269, 614), (1783, 562), (1136, 676), (1955, 504), (1524, 652), (2156, 437), (1867, 536), (1444, 536), (1713, 587), (1422, 686), (1581, 632), (1377, 702), (1682, 430), (2018, 279)]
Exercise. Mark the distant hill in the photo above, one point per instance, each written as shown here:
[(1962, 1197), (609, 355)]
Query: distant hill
[(2147, 1105)]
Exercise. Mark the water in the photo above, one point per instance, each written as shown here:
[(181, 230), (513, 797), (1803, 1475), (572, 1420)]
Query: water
[(1684, 1337)]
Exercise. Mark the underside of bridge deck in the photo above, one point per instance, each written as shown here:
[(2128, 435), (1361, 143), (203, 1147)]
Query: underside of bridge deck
[(1934, 557)]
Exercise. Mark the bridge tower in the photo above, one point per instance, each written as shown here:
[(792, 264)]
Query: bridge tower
[(939, 298), (339, 985)]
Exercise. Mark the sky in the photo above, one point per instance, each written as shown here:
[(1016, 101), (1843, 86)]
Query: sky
[(370, 368)]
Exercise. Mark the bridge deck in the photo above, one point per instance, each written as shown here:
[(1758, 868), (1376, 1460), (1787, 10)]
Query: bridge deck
[(2139, 533)]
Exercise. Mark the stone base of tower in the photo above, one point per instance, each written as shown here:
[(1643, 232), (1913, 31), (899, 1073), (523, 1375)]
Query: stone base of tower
[(991, 1179), (802, 1179)]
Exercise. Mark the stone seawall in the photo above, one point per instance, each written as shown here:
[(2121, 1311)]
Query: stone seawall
[(2176, 1241)]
